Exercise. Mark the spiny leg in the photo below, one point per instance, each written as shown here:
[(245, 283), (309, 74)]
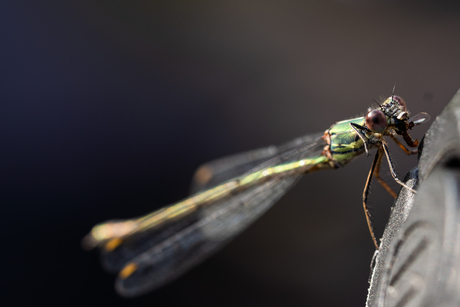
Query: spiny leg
[(359, 130), (401, 145), (392, 169), (377, 159), (379, 179)]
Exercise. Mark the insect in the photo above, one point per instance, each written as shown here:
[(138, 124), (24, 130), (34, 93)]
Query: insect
[(230, 193)]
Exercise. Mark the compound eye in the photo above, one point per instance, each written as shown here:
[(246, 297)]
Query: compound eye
[(376, 121), (400, 102)]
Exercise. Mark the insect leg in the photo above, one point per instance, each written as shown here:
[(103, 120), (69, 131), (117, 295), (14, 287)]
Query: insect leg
[(366, 194), (379, 179), (392, 169), (401, 145), (359, 130)]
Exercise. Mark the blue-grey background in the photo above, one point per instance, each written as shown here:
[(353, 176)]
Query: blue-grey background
[(107, 107)]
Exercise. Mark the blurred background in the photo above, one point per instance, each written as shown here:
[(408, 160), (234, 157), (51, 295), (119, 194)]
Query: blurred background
[(108, 107)]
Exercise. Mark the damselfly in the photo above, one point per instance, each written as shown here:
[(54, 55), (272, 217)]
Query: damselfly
[(230, 193)]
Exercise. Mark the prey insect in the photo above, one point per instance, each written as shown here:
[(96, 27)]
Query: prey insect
[(230, 193)]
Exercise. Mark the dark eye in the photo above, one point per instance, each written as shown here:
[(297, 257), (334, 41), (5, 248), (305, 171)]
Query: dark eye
[(376, 121), (401, 103)]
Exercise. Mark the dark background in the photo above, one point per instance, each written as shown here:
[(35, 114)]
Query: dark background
[(107, 107)]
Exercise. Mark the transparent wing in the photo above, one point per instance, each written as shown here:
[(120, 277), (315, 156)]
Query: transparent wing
[(220, 170), (161, 255)]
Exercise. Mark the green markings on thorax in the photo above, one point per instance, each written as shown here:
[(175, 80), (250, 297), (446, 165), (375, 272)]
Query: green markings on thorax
[(345, 143)]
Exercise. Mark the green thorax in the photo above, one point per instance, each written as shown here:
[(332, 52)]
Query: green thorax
[(345, 142)]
